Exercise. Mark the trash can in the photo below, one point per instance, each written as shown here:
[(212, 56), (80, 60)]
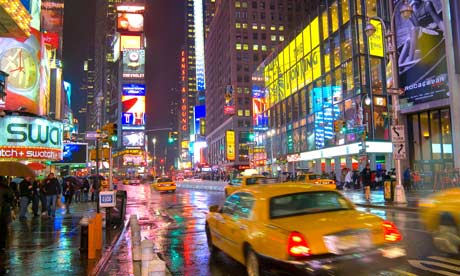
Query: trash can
[(389, 190), (84, 235)]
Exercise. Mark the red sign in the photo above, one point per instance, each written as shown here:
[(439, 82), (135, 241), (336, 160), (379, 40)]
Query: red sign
[(30, 153), (51, 39), (229, 110)]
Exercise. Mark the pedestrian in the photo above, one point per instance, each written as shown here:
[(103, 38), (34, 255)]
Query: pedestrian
[(6, 211), (95, 189), (366, 178), (35, 196), (68, 192), (417, 179), (77, 193), (348, 180), (41, 186), (407, 178), (85, 188), (52, 190), (25, 194)]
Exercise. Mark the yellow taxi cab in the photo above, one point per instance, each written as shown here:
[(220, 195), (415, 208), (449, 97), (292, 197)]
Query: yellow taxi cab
[(315, 179), (440, 213), (243, 181), (301, 229), (164, 184)]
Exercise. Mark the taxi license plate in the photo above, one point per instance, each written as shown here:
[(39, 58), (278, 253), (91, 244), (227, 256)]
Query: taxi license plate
[(341, 243)]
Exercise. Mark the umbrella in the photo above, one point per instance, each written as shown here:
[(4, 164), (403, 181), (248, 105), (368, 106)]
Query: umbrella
[(36, 166), (10, 168), (74, 180)]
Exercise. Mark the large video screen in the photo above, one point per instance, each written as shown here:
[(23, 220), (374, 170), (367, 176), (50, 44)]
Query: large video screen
[(133, 63), (130, 22), (133, 105), (75, 153), (130, 42), (133, 138)]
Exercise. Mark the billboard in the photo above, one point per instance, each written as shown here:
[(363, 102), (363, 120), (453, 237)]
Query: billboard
[(30, 138), (133, 138), (230, 143), (130, 42), (75, 153), (133, 63), (229, 106), (259, 106), (422, 55), (133, 105), (21, 60), (52, 15), (130, 22)]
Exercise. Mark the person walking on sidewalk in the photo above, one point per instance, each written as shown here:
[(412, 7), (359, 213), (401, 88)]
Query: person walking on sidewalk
[(6, 213), (25, 193), (407, 179), (35, 196), (85, 189), (348, 180), (52, 190), (366, 177), (67, 191), (41, 186)]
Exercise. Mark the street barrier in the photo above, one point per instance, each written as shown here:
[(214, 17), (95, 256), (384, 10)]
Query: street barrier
[(84, 235), (98, 231), (91, 239), (147, 256)]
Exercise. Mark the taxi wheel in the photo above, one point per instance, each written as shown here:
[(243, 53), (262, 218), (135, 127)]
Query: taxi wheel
[(252, 263), (447, 238), (211, 247)]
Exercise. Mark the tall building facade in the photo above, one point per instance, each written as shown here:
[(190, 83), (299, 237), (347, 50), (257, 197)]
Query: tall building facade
[(241, 35)]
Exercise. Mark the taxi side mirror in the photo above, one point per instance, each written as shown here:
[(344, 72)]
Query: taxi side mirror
[(214, 208)]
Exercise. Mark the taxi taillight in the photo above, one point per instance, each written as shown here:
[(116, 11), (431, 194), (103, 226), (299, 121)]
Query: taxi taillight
[(297, 245), (391, 232)]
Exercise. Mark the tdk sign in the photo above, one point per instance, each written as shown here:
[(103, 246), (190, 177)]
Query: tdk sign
[(107, 199)]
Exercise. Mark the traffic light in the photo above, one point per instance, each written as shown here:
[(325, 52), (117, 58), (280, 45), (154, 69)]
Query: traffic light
[(170, 137), (113, 136), (251, 137), (338, 124)]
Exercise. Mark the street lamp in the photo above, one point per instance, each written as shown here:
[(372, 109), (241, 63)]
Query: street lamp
[(366, 100), (406, 12), (154, 141)]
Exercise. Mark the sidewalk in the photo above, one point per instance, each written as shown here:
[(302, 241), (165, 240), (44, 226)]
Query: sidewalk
[(47, 246)]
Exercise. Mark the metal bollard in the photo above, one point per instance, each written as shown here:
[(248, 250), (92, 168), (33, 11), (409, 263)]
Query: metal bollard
[(98, 232), (157, 267), (91, 239), (84, 235)]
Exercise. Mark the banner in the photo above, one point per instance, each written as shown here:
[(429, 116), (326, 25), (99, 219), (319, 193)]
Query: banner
[(230, 143)]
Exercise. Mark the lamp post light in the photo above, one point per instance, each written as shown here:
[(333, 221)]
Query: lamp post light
[(406, 12), (154, 141), (366, 100)]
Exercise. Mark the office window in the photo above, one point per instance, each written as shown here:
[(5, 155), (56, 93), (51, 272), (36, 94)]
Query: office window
[(264, 47), (281, 38), (238, 25), (281, 28), (238, 46), (237, 4), (273, 37), (273, 28), (240, 113), (254, 4), (345, 12), (264, 36), (245, 25), (245, 47), (255, 47), (247, 112), (255, 36), (263, 27), (244, 4), (254, 26)]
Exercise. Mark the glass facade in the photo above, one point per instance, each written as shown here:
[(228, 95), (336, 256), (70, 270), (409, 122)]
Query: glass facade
[(322, 75)]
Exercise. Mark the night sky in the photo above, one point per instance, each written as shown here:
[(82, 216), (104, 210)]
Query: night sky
[(164, 30)]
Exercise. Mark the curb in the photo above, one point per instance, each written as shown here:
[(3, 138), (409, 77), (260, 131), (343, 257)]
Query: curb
[(104, 260)]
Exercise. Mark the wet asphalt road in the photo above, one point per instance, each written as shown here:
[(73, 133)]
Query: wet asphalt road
[(175, 222)]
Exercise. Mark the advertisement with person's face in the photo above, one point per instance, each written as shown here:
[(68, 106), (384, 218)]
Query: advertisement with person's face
[(421, 48), (130, 22), (20, 59)]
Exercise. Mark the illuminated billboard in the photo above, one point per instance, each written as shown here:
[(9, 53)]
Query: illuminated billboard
[(295, 66), (75, 153), (130, 22), (229, 106), (51, 40), (21, 60), (133, 138), (129, 159), (259, 106), (130, 42), (199, 44), (133, 105), (422, 53), (52, 15), (133, 63), (30, 138), (230, 143)]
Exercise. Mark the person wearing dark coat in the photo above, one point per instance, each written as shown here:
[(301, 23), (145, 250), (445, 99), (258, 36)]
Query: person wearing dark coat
[(68, 192), (35, 196), (366, 176), (52, 190), (6, 214), (25, 193)]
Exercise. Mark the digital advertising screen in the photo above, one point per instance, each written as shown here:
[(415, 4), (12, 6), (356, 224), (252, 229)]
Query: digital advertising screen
[(133, 104), (130, 22), (52, 15), (133, 138), (133, 63), (259, 105), (422, 53), (21, 61), (130, 42), (229, 106), (75, 153)]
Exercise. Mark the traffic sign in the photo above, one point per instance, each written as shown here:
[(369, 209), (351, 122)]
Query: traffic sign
[(399, 151), (397, 134), (92, 135), (107, 199)]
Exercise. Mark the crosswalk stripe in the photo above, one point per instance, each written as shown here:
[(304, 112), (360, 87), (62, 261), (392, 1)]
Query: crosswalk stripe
[(420, 264), (446, 260), (402, 272)]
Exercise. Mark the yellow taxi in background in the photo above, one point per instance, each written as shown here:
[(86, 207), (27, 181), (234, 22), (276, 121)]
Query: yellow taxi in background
[(301, 229), (316, 179), (164, 184), (243, 181), (440, 213)]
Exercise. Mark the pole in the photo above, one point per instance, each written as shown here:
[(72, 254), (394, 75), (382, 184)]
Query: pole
[(110, 168), (96, 179), (154, 159)]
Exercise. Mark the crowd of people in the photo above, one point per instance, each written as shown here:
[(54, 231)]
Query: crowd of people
[(45, 196)]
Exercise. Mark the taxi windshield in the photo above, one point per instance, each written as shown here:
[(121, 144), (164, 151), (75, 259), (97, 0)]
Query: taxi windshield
[(164, 179), (307, 203)]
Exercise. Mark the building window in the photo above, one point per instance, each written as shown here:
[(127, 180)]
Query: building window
[(245, 47), (240, 113), (264, 36), (255, 36), (255, 47), (238, 46), (244, 4), (245, 25), (273, 28), (255, 58), (254, 4), (247, 112), (254, 26), (264, 47), (281, 37), (273, 37), (281, 28), (237, 4), (263, 27), (238, 25)]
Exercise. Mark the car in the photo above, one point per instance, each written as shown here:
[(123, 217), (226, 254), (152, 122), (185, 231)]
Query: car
[(180, 177), (440, 214), (298, 229), (316, 179), (243, 181), (164, 184)]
